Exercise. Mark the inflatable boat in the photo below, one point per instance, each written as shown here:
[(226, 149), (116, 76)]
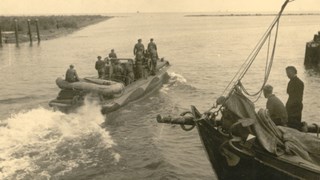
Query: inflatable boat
[(96, 85), (111, 94)]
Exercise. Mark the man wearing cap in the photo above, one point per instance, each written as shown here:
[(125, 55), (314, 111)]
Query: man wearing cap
[(294, 104), (152, 45), (152, 49), (139, 47), (71, 74), (112, 54), (276, 109), (100, 67)]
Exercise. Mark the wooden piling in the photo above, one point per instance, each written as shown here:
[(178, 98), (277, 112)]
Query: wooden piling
[(29, 32), (16, 32), (0, 36), (38, 33)]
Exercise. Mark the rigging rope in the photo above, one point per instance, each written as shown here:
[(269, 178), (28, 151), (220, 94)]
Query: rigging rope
[(252, 56)]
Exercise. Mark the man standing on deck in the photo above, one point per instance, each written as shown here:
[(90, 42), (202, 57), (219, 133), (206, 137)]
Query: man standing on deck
[(276, 109), (294, 104), (100, 67), (112, 54), (139, 47), (154, 58), (152, 45), (152, 49), (71, 74)]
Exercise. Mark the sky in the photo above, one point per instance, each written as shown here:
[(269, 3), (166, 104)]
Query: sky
[(25, 7)]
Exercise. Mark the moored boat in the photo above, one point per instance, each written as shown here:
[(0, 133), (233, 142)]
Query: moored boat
[(111, 94), (244, 144)]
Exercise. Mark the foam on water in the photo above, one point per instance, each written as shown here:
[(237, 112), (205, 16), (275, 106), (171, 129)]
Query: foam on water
[(41, 143), (177, 77), (176, 81)]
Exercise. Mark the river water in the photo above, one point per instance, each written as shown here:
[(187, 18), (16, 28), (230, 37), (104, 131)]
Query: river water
[(205, 53)]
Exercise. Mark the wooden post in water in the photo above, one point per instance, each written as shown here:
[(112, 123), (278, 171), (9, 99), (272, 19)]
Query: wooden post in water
[(0, 36), (38, 33), (16, 32), (29, 32)]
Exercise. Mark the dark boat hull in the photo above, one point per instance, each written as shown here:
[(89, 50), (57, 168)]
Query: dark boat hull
[(260, 165)]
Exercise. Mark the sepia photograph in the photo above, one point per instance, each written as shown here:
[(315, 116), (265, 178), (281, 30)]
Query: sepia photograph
[(159, 90)]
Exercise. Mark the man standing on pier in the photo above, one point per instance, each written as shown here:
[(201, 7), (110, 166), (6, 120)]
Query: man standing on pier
[(294, 104)]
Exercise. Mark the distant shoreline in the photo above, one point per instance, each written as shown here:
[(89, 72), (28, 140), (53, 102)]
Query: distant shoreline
[(252, 14), (50, 27)]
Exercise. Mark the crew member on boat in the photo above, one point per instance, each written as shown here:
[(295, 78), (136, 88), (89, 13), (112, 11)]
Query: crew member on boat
[(100, 67), (71, 74), (112, 54), (154, 58), (129, 74), (276, 109), (152, 50), (138, 47), (139, 64), (294, 104), (152, 45), (118, 71)]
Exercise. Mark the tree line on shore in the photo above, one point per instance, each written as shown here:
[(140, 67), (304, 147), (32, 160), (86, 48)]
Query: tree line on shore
[(7, 23)]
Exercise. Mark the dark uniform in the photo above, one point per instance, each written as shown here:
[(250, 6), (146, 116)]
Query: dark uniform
[(154, 58), (139, 65), (71, 75), (277, 111), (151, 46), (129, 73), (112, 54), (139, 47), (294, 104), (118, 72), (100, 67)]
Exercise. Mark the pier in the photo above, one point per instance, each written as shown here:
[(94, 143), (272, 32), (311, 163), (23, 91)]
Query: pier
[(312, 54)]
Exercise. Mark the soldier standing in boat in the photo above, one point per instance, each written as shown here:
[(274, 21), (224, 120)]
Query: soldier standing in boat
[(152, 49), (118, 71), (139, 47), (276, 109), (129, 74), (112, 54), (154, 58), (100, 67), (152, 45), (294, 104), (71, 74), (138, 51)]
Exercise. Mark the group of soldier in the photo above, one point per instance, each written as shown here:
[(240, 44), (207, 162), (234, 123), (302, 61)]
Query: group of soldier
[(111, 68), (144, 55)]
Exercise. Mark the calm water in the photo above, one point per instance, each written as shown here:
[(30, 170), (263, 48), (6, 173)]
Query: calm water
[(205, 53)]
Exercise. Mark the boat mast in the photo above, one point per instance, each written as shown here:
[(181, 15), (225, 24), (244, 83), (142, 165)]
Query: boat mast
[(236, 80)]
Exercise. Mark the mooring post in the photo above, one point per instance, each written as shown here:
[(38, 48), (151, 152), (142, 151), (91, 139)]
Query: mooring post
[(29, 32), (0, 36), (38, 33), (16, 32)]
